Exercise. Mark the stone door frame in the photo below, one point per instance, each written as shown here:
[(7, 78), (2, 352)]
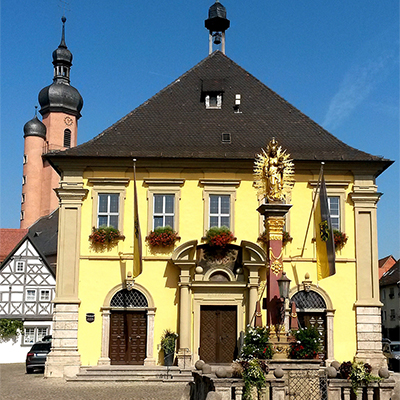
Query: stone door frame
[(106, 312)]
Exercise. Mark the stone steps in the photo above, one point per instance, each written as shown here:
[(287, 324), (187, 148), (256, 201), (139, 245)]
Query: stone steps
[(132, 373)]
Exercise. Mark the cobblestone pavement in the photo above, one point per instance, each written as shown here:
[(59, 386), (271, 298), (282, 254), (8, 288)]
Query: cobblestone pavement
[(16, 384)]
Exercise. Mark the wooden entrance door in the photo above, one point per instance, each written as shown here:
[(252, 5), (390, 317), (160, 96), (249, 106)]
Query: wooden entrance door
[(218, 339), (128, 333)]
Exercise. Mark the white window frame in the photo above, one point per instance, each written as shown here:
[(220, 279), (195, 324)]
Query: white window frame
[(335, 189), (108, 214), (42, 291), (35, 336), (27, 297), (163, 214), (218, 187), (213, 107), (163, 187), (334, 216), (219, 214), (17, 262), (109, 186)]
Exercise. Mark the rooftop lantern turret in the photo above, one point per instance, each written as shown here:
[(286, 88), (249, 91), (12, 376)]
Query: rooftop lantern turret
[(217, 24)]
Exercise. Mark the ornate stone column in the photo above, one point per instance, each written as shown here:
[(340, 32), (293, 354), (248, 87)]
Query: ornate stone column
[(368, 306), (64, 359), (274, 221), (150, 359)]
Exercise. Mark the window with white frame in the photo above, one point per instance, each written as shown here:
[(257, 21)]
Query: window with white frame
[(108, 210), (163, 197), (29, 335), (219, 210), (163, 210), (19, 266), (334, 211), (30, 295), (44, 295), (33, 334), (41, 333)]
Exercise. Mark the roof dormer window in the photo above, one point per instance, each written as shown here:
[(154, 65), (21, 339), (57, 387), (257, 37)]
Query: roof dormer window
[(213, 100)]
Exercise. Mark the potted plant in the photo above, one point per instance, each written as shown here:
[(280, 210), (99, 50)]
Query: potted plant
[(162, 236), (219, 237), (105, 236), (168, 340), (358, 373), (340, 239), (307, 343)]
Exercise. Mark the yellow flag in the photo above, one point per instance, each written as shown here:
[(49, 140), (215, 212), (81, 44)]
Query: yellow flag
[(324, 235), (137, 238)]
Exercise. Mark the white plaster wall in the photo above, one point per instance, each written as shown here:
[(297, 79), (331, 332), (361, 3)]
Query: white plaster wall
[(13, 351)]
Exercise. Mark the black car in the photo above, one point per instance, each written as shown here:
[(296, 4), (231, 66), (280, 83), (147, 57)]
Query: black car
[(37, 355)]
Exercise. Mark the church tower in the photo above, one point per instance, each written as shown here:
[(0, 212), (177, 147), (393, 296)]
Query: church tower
[(61, 105)]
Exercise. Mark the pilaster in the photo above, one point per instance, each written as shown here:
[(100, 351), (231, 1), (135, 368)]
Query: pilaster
[(368, 315), (64, 359)]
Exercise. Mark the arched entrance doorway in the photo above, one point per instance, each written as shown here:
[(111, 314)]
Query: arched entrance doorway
[(314, 309), (128, 327)]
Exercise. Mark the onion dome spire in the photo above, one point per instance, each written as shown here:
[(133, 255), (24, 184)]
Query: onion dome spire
[(60, 96), (35, 127)]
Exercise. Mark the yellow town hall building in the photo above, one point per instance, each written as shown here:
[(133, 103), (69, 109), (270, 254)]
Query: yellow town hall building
[(195, 143)]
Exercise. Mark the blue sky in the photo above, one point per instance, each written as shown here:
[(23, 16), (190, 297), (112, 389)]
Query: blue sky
[(337, 61)]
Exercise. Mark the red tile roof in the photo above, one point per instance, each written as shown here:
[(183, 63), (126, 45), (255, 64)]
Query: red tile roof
[(9, 238)]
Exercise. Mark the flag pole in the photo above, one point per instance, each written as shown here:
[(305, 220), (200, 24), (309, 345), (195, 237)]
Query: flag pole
[(321, 171), (137, 240)]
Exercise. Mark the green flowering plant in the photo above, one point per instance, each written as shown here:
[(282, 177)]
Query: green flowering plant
[(307, 343), (10, 328), (256, 344), (359, 373), (105, 236), (340, 239), (168, 340), (286, 238), (162, 236), (219, 237), (253, 374)]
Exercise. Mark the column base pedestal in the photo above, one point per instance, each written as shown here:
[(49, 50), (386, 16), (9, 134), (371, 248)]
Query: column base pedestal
[(184, 359)]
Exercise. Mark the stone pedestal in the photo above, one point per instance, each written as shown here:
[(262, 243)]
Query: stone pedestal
[(64, 359)]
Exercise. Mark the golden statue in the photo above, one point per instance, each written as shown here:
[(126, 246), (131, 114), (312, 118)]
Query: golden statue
[(274, 172)]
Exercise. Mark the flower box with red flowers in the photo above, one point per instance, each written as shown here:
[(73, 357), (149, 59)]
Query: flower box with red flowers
[(219, 237), (163, 236), (105, 236)]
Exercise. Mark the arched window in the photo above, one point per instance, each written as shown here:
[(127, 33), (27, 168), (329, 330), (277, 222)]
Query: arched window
[(129, 299), (67, 138)]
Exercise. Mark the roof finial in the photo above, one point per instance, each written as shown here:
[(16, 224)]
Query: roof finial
[(62, 44), (35, 111)]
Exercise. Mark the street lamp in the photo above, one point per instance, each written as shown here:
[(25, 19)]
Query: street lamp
[(284, 285)]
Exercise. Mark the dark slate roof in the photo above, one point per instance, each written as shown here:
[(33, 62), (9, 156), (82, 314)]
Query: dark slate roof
[(44, 233), (391, 277), (176, 124)]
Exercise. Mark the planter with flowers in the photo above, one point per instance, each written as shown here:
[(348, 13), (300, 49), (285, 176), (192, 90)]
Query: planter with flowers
[(163, 236), (105, 237), (358, 373), (340, 239), (219, 237), (251, 366), (286, 238), (306, 344)]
